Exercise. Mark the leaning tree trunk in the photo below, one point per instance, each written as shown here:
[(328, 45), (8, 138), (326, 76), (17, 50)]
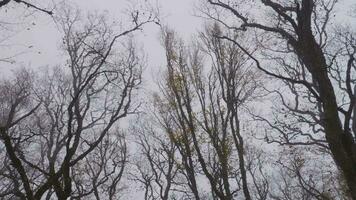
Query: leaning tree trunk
[(340, 141)]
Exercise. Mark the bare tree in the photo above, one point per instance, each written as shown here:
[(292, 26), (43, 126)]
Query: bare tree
[(300, 29), (100, 173), (302, 178), (15, 108), (70, 134), (156, 165)]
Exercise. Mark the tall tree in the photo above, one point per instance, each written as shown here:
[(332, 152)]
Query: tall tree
[(200, 108), (61, 128), (324, 70)]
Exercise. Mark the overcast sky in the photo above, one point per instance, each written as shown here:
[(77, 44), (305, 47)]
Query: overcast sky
[(38, 39)]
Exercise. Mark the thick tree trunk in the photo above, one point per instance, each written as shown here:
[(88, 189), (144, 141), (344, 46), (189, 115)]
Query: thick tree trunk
[(340, 143)]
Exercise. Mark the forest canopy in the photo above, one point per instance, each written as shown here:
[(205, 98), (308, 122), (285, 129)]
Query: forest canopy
[(258, 104)]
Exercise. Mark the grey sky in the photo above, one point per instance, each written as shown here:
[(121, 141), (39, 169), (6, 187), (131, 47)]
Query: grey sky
[(38, 39)]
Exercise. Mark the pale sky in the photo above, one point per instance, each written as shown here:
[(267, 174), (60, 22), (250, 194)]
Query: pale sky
[(38, 39)]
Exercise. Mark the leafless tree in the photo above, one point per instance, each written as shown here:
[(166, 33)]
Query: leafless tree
[(302, 178), (314, 60), (100, 173), (156, 165), (16, 106), (68, 132)]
